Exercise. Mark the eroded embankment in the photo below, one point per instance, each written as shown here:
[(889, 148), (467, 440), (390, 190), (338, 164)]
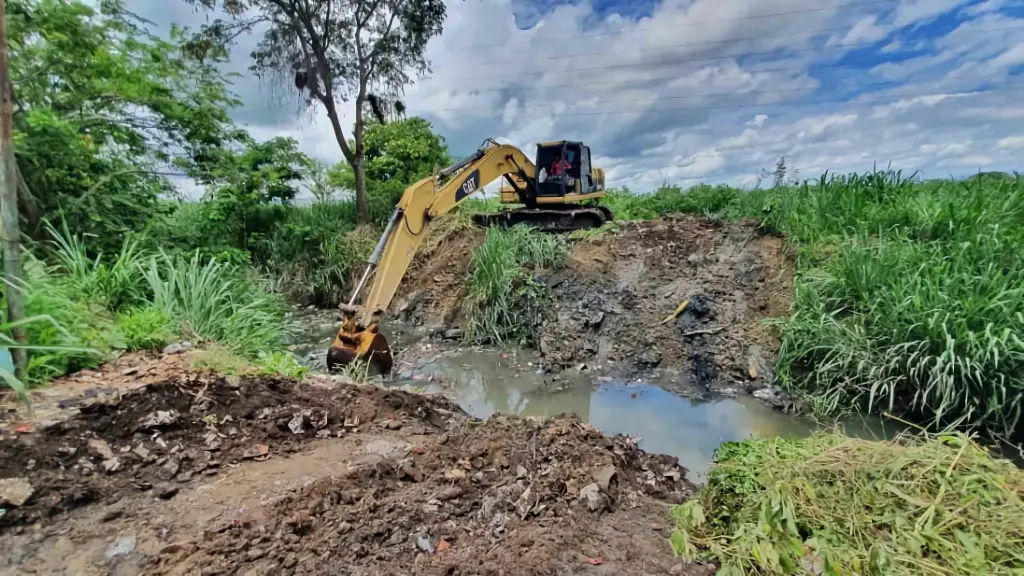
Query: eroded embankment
[(200, 474), (612, 300)]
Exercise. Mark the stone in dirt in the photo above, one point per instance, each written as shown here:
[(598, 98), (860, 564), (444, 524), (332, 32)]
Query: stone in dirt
[(592, 497), (121, 547), (15, 491), (100, 449), (158, 419), (175, 348), (112, 465), (603, 477)]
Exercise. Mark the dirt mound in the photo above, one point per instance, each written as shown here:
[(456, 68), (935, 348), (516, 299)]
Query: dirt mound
[(160, 437), (509, 496), (212, 475), (616, 300)]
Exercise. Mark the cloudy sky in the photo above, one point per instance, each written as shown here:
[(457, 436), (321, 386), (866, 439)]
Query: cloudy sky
[(689, 91)]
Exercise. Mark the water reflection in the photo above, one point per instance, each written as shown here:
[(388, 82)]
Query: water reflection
[(484, 383)]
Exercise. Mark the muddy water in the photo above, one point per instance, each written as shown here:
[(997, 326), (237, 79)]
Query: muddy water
[(484, 382)]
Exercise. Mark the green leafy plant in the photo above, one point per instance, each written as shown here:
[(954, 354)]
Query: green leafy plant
[(833, 505), (506, 304), (146, 328), (280, 363)]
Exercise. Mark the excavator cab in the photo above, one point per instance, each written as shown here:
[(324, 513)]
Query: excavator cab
[(564, 168)]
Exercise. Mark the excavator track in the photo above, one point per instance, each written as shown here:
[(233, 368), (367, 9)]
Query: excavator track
[(557, 218)]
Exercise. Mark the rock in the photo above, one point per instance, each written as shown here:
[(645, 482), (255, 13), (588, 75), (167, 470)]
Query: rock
[(450, 493), (673, 475), (423, 543), (757, 369), (112, 465), (453, 334), (141, 451), (233, 381), (603, 477), (100, 449), (15, 491), (169, 469), (166, 491), (693, 258), (676, 569), (254, 554), (591, 495), (121, 547), (112, 514), (176, 348), (521, 471), (157, 419), (256, 451), (323, 434)]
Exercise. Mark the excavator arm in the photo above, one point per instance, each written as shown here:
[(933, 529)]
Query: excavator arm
[(359, 336)]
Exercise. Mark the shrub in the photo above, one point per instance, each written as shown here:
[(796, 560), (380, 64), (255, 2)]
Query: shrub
[(146, 328)]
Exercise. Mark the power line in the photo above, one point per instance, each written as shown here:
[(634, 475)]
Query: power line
[(779, 104), (688, 44), (706, 58), (687, 25), (593, 85), (706, 95)]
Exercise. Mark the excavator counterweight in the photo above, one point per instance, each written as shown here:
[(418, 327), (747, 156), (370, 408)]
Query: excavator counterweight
[(558, 196)]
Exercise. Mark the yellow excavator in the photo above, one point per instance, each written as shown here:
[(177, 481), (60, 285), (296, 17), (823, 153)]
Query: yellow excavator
[(561, 195)]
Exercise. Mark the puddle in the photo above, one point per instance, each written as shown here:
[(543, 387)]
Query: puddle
[(485, 383)]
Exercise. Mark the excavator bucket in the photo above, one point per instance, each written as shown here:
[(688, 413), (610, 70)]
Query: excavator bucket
[(360, 343)]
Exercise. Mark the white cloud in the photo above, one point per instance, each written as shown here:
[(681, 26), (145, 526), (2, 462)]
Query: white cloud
[(1011, 143), (676, 95)]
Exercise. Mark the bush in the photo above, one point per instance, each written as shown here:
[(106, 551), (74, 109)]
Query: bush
[(830, 504), (147, 328), (505, 302), (215, 302)]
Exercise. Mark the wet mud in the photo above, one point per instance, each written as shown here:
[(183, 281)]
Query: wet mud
[(615, 304)]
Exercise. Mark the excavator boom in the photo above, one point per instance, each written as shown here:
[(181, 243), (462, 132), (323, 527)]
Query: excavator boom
[(552, 202), (359, 336)]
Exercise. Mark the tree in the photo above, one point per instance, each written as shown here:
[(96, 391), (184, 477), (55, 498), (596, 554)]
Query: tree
[(397, 154), (337, 50), (103, 110), (318, 175)]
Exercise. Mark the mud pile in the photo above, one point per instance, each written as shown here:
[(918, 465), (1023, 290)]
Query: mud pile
[(614, 299), (204, 474), (509, 496)]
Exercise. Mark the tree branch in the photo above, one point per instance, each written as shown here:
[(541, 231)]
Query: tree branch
[(380, 41)]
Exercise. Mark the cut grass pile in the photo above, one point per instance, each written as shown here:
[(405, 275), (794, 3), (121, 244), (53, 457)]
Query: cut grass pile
[(909, 295), (830, 504)]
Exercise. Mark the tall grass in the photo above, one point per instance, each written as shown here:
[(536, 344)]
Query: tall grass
[(506, 303), (909, 294)]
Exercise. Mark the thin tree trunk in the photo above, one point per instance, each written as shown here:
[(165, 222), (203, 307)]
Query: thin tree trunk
[(9, 202), (359, 165)]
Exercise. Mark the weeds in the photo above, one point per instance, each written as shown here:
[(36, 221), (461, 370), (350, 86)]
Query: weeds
[(834, 505), (908, 295), (506, 303), (215, 302)]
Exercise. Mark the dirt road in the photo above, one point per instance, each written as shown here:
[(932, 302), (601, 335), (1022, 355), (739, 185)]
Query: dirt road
[(199, 474)]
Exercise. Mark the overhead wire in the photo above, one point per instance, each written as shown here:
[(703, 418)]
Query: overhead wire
[(894, 98)]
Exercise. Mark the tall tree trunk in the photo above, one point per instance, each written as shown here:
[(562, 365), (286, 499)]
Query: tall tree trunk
[(359, 164), (9, 202)]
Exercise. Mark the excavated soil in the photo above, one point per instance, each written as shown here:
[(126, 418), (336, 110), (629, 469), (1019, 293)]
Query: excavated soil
[(613, 300), (201, 474)]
